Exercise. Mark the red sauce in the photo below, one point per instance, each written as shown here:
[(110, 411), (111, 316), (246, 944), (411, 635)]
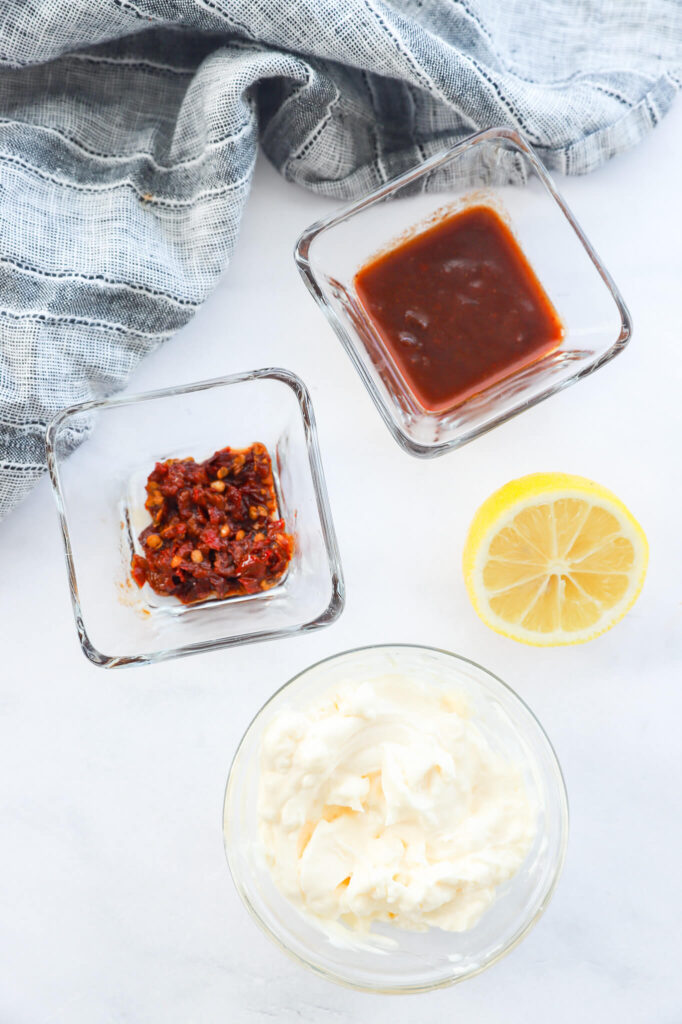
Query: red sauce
[(215, 530), (458, 308)]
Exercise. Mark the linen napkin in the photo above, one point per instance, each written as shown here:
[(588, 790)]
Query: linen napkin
[(129, 131)]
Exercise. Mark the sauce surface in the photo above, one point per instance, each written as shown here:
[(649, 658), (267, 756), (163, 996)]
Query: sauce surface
[(215, 530), (458, 308)]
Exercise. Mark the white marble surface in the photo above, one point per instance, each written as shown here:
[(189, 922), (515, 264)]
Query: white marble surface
[(115, 901)]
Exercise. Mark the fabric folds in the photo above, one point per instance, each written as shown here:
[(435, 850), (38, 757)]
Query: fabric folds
[(129, 131)]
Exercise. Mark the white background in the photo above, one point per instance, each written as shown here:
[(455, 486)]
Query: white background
[(115, 900)]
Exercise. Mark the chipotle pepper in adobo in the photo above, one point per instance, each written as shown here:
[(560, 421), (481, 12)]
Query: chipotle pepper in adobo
[(215, 530)]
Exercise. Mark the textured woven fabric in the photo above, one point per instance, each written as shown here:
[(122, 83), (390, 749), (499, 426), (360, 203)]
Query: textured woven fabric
[(129, 129)]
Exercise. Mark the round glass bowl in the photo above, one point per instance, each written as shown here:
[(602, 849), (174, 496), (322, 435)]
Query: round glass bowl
[(417, 961)]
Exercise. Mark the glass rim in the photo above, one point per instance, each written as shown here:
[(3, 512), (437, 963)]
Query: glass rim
[(337, 600), (519, 935), (437, 160)]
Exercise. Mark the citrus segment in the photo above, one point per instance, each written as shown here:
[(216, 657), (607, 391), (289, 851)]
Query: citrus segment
[(554, 559)]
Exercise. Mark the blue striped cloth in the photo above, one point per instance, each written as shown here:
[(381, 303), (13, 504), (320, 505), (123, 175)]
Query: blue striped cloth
[(129, 129)]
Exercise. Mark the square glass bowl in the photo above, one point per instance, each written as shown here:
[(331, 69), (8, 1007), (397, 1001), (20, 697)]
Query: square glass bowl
[(495, 168), (100, 494)]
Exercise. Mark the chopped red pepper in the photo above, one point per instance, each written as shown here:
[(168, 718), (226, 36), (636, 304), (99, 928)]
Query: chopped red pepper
[(215, 529)]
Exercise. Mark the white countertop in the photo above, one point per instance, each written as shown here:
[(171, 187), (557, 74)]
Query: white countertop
[(115, 902)]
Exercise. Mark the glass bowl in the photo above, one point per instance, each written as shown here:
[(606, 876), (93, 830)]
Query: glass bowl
[(419, 961), (495, 168), (99, 489)]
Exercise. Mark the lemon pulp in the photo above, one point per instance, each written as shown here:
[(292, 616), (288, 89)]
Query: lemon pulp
[(553, 558)]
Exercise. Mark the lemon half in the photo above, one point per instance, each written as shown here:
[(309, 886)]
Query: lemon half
[(552, 558)]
